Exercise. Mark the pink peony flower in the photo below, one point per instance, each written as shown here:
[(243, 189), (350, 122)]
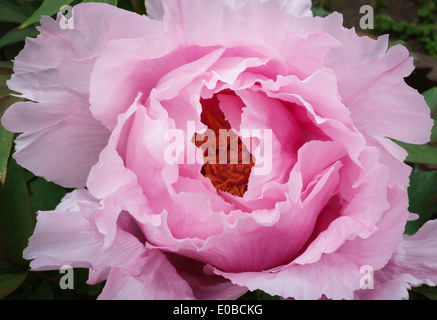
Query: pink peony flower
[(121, 105)]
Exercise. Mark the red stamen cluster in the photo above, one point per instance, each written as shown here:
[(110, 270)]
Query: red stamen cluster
[(232, 178)]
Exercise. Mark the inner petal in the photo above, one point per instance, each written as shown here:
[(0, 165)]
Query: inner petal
[(227, 161)]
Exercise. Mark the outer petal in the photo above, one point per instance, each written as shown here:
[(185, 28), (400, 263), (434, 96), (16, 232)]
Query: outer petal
[(405, 115), (162, 277), (333, 276), (62, 151), (69, 236), (205, 285), (414, 263), (297, 8), (157, 279), (61, 139)]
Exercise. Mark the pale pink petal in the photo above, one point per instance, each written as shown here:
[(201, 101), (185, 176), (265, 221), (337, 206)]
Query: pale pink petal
[(335, 275), (156, 279), (159, 276), (297, 8), (69, 236), (358, 216), (294, 7), (190, 214), (255, 242), (111, 181), (206, 285), (128, 67), (284, 131), (62, 152), (54, 71), (405, 115), (413, 263)]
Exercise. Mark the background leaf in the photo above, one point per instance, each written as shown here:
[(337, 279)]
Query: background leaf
[(17, 219), (17, 35), (258, 295), (431, 99), (9, 282), (5, 75), (424, 154), (47, 8), (422, 194), (111, 2), (6, 137), (45, 195), (319, 11), (12, 12), (427, 291)]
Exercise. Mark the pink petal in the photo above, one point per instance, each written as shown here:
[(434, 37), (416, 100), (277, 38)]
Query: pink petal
[(256, 241), (156, 279), (128, 67), (293, 7), (413, 263), (405, 116), (205, 285), (68, 236), (61, 149), (61, 139), (167, 277), (110, 179), (333, 276)]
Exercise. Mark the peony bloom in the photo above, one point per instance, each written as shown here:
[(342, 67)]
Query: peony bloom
[(122, 105)]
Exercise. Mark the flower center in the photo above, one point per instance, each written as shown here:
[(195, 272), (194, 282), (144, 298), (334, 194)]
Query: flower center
[(228, 162)]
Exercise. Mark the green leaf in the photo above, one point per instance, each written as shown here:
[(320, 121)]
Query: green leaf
[(47, 8), (17, 219), (434, 132), (11, 12), (6, 139), (422, 194), (40, 291), (395, 43), (111, 2), (6, 101), (265, 296), (5, 75), (424, 154), (431, 100), (9, 267), (9, 282), (258, 295), (17, 35), (429, 292), (319, 11), (45, 195)]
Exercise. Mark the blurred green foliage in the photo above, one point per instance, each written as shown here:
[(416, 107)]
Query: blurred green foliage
[(423, 27)]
